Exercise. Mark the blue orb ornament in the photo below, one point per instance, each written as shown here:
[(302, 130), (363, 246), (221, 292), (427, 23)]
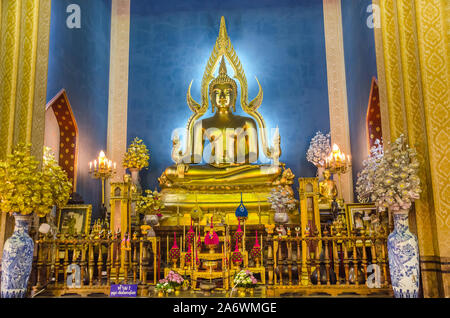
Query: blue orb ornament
[(241, 211)]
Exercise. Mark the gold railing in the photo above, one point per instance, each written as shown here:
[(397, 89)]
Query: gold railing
[(330, 264), (86, 265)]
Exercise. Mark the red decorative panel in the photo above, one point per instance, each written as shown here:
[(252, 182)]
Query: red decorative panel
[(373, 120), (68, 138)]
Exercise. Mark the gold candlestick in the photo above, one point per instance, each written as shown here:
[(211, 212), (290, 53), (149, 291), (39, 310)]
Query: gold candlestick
[(338, 163), (103, 171)]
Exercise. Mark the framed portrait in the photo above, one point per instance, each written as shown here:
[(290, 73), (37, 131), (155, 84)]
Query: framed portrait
[(360, 215), (74, 219)]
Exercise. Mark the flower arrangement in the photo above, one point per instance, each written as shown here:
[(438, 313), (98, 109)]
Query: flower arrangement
[(255, 252), (137, 155), (149, 203), (319, 148), (170, 282), (281, 199), (239, 234), (24, 188), (395, 181), (364, 183), (188, 256), (236, 256), (245, 279), (174, 252)]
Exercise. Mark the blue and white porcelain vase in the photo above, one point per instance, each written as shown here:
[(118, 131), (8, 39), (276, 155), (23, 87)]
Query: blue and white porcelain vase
[(403, 251), (17, 259)]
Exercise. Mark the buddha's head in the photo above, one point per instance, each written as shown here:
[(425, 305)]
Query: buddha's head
[(223, 90), (326, 174)]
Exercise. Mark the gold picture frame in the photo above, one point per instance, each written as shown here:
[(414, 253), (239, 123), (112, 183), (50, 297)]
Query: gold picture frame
[(74, 219), (355, 212)]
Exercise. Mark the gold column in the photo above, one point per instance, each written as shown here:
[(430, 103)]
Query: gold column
[(24, 30), (432, 27), (416, 69), (337, 87)]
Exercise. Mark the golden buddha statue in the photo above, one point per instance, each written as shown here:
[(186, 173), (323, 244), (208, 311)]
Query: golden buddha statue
[(220, 158), (327, 189)]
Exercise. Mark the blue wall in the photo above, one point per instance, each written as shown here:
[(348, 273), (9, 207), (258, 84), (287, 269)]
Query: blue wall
[(79, 62), (280, 42), (361, 67)]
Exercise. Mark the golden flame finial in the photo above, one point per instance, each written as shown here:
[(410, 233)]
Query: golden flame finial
[(223, 35)]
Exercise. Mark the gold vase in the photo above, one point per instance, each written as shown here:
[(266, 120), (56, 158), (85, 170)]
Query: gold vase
[(160, 294), (241, 291)]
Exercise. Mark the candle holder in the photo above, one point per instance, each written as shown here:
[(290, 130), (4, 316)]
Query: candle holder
[(338, 163), (103, 170)]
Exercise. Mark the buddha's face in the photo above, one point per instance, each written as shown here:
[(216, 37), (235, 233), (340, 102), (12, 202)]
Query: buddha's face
[(223, 96), (326, 175)]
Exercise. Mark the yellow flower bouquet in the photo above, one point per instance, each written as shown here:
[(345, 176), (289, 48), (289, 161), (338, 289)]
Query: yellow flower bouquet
[(137, 155), (149, 203), (26, 188)]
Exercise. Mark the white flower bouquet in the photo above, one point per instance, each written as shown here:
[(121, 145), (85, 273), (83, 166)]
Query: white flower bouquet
[(244, 279), (364, 183), (396, 184), (281, 199), (319, 149)]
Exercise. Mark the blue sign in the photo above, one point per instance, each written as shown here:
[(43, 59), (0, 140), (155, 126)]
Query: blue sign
[(123, 291)]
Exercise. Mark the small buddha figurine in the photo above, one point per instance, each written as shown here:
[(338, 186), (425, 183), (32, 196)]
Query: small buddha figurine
[(327, 189)]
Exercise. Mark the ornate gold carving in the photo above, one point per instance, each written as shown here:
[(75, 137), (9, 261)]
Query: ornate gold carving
[(40, 81), (26, 71), (435, 69), (416, 120), (337, 88), (397, 118), (9, 55)]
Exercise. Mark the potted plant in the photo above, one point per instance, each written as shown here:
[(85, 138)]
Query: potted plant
[(282, 200), (25, 188), (135, 159), (319, 149), (245, 282), (395, 185)]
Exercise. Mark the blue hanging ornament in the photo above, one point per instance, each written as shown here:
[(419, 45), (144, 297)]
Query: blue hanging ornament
[(241, 211)]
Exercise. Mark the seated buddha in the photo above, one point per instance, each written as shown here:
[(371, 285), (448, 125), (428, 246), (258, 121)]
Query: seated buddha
[(219, 161), (327, 190), (226, 142)]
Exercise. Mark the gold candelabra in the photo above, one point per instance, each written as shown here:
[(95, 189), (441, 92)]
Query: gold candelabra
[(338, 163), (102, 169)]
